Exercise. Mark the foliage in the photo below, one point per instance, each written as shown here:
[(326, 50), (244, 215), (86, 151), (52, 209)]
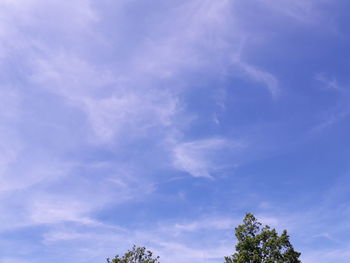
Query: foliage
[(135, 255), (257, 244)]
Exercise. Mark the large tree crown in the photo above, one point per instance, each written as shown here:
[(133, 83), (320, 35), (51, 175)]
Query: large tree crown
[(261, 244)]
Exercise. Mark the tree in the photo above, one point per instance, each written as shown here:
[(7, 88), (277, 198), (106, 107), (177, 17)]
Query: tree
[(135, 255), (257, 244)]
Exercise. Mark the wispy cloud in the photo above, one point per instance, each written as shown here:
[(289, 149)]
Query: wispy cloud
[(197, 157), (304, 11), (181, 247), (258, 75)]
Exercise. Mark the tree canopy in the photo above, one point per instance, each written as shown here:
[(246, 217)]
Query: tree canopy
[(257, 244), (135, 255)]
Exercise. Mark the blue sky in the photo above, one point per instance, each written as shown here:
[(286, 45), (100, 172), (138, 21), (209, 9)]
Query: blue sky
[(161, 122)]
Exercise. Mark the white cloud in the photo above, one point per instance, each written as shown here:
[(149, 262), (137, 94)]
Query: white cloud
[(198, 157), (10, 142), (329, 83), (113, 105), (327, 255), (129, 114), (339, 111), (189, 34), (262, 76), (27, 174), (52, 210), (104, 240), (22, 30), (304, 11), (209, 223)]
